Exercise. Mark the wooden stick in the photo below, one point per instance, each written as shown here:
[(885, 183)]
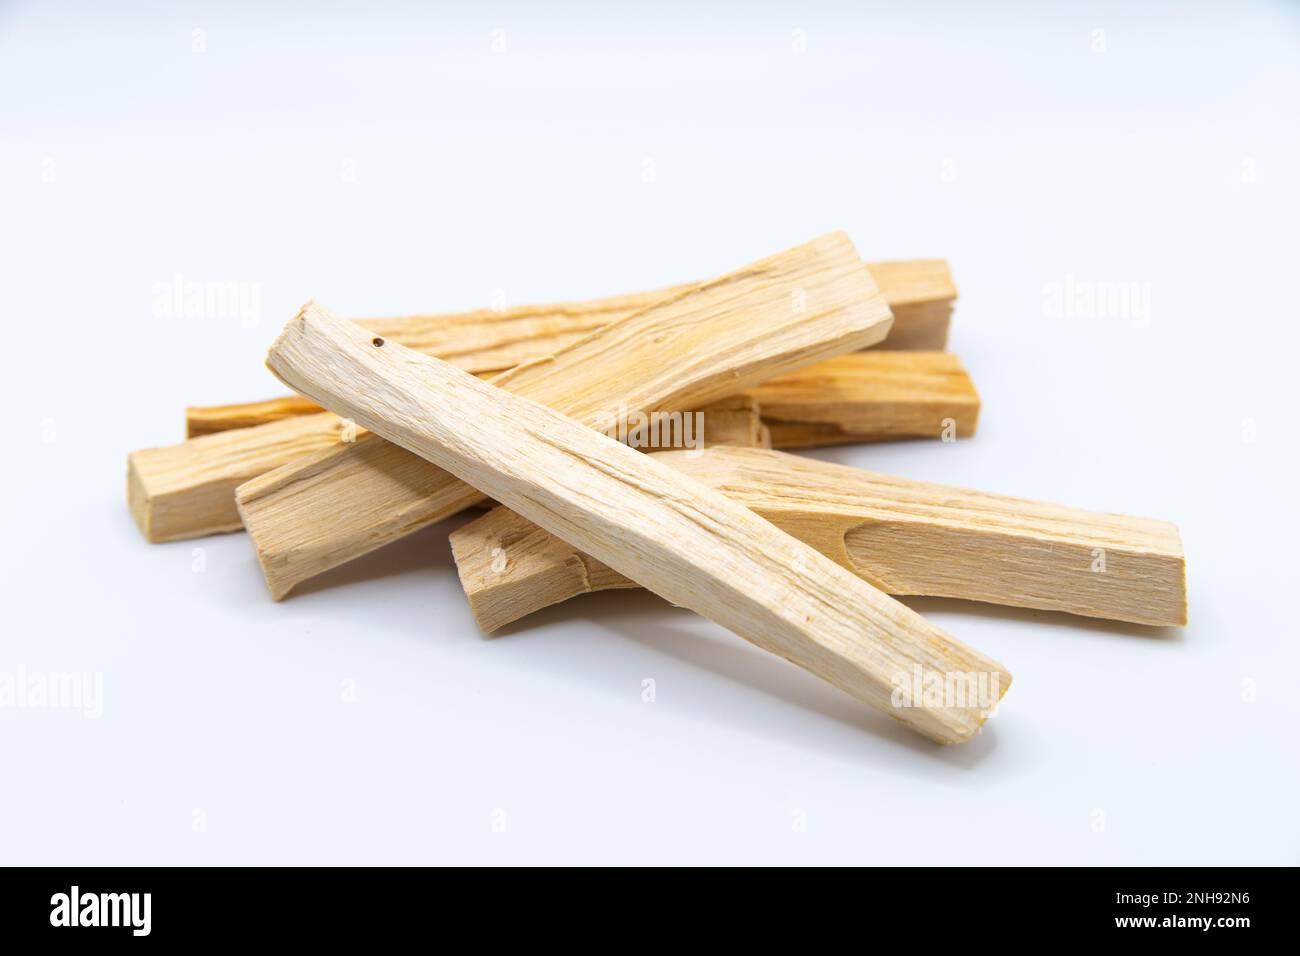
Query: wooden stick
[(792, 309), (906, 537), (920, 293), (670, 533), (188, 490), (488, 340), (208, 419), (870, 396), (483, 341), (857, 397)]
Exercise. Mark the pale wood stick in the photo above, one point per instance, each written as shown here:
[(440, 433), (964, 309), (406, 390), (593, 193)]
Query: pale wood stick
[(786, 311), (920, 293), (924, 292), (863, 396), (867, 396), (187, 490), (483, 341), (870, 396), (856, 397), (488, 340), (209, 419), (670, 533), (906, 537)]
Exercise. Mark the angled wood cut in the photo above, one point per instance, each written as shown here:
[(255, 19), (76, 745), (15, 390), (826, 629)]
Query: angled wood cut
[(921, 293), (670, 533), (486, 341), (905, 537), (719, 338)]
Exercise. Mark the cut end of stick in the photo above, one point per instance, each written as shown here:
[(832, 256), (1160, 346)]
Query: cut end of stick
[(245, 494), (980, 716), (1182, 577), (137, 498), (163, 515), (291, 328)]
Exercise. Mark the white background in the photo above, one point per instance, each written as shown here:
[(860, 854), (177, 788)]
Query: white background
[(384, 158)]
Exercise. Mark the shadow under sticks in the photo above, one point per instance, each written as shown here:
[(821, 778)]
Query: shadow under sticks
[(640, 617), (426, 550)]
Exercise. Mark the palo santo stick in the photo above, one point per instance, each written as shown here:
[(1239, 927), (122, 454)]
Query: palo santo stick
[(789, 310), (920, 293), (870, 396), (670, 533), (905, 537), (876, 395), (187, 490), (859, 396), (487, 340), (208, 419)]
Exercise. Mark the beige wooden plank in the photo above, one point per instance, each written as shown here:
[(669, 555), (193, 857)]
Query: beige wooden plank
[(920, 293), (906, 537)]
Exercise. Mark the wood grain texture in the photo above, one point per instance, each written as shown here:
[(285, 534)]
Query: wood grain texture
[(792, 309), (905, 537), (870, 396), (492, 340), (651, 523), (208, 419), (860, 396), (186, 490), (920, 293)]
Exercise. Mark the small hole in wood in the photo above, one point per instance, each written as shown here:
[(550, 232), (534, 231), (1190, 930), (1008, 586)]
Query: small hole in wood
[(377, 342)]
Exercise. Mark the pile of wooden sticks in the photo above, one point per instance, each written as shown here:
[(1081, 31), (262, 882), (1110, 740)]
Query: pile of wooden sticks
[(542, 412)]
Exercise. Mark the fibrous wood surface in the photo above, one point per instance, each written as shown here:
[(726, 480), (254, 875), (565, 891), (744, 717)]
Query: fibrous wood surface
[(716, 339), (920, 293), (906, 537), (189, 489), (870, 396), (670, 533)]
